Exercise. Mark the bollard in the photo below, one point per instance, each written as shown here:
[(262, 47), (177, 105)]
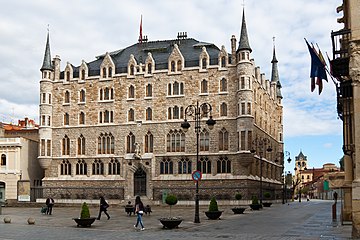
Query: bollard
[(334, 212)]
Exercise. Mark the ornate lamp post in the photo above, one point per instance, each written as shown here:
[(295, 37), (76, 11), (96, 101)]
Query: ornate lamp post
[(196, 111), (261, 146)]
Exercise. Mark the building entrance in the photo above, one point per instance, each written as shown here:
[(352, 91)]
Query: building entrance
[(140, 182), (2, 192)]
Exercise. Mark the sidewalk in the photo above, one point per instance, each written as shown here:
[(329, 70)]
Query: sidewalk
[(306, 220)]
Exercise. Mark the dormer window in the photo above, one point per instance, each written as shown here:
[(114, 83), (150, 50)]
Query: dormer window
[(149, 68), (223, 61), (67, 75), (172, 66), (110, 72), (82, 74), (132, 70), (203, 63), (179, 66), (104, 72)]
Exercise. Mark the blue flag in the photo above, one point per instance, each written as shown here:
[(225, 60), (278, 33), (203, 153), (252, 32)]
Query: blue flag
[(318, 70)]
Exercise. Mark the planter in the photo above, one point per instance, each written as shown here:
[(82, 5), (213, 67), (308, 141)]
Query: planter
[(238, 210), (255, 206), (213, 215), (170, 223), (31, 221), (84, 222), (7, 220), (267, 204)]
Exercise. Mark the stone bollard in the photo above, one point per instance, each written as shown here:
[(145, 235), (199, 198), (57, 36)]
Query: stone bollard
[(7, 220), (31, 221)]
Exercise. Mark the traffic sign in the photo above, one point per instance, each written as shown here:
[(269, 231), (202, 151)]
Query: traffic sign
[(196, 175)]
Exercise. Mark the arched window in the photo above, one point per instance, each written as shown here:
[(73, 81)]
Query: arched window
[(175, 141), (149, 142), (81, 167), (223, 109), (184, 166), (3, 160), (176, 90), (204, 140), (149, 66), (223, 85), (223, 165), (132, 70), (82, 118), (66, 119), (104, 73), (166, 166), (203, 63), (179, 66), (169, 89), (204, 165), (223, 140), (148, 114), (149, 90), (67, 76), (223, 61), (131, 92), (176, 113), (82, 95), (114, 167), (66, 145), (106, 143), (131, 115), (110, 71), (81, 145), (97, 167), (130, 143), (65, 167), (83, 74), (67, 97), (172, 66), (204, 86)]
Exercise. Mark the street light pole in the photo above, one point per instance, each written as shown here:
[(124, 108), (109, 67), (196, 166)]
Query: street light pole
[(259, 145), (195, 112), (286, 155)]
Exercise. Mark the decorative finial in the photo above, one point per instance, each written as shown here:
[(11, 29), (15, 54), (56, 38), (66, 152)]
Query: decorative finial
[(243, 4), (273, 40), (48, 28)]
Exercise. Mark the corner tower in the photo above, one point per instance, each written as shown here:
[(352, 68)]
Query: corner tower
[(46, 85)]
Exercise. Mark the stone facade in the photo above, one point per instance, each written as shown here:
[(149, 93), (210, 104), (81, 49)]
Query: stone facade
[(97, 114)]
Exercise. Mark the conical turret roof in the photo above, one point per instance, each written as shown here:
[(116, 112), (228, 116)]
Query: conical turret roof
[(47, 65), (275, 75), (244, 40)]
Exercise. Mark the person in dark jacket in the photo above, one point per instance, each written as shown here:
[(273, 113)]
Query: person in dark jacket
[(103, 208), (49, 204)]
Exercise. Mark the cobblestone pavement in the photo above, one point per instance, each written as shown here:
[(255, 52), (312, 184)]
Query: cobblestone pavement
[(298, 221)]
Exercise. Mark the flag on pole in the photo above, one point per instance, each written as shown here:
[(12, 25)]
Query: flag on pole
[(140, 36), (318, 70)]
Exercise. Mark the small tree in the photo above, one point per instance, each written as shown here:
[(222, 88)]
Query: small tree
[(171, 200), (267, 195), (254, 200), (213, 207), (238, 196), (85, 212)]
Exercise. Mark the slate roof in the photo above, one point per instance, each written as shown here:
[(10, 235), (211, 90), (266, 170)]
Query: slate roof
[(160, 50)]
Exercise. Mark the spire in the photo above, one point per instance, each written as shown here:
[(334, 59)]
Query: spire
[(275, 73), (47, 65), (244, 40)]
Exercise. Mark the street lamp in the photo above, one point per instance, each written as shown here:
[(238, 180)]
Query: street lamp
[(196, 111), (286, 155), (260, 145)]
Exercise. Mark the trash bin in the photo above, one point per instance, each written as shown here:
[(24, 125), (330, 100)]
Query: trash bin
[(164, 195)]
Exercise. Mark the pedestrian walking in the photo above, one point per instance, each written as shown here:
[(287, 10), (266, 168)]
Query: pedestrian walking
[(103, 208), (139, 210), (335, 197), (49, 204)]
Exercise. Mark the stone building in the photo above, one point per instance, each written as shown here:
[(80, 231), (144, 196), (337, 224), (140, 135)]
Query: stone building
[(346, 69), (112, 126)]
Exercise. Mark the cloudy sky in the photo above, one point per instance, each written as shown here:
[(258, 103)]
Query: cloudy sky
[(83, 29)]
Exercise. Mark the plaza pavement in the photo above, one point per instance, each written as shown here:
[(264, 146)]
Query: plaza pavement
[(295, 221)]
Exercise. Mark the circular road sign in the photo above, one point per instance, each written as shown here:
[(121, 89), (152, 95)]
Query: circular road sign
[(196, 175)]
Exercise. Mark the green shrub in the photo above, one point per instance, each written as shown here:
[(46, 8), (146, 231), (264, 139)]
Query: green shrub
[(171, 200), (238, 196), (254, 200), (267, 195), (85, 212), (213, 207)]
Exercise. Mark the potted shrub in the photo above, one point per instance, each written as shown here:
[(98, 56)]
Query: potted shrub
[(85, 220), (267, 195), (238, 210), (171, 222), (213, 212), (255, 205)]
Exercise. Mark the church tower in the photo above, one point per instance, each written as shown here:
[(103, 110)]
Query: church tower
[(46, 88)]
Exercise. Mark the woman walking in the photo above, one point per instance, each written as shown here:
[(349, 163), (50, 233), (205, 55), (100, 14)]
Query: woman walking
[(139, 210), (103, 208)]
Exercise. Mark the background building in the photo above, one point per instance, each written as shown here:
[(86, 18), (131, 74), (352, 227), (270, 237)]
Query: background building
[(113, 126)]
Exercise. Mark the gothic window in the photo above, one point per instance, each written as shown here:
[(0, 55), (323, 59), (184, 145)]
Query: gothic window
[(66, 145), (243, 109), (131, 92), (176, 89), (149, 90), (249, 108), (67, 76), (82, 74), (204, 110), (106, 143), (48, 152), (43, 98), (169, 113), (81, 145), (82, 95), (179, 65), (131, 115), (42, 147), (166, 166), (97, 167), (223, 85), (184, 166), (67, 97), (223, 61), (175, 141), (114, 167), (172, 66), (204, 165), (242, 140), (249, 140), (149, 68), (82, 118), (204, 140), (65, 167), (223, 109), (3, 160), (130, 143), (204, 63), (242, 83), (104, 73), (110, 71), (223, 140), (132, 70), (223, 165), (204, 86), (81, 167), (148, 114), (66, 119), (149, 142), (169, 89), (176, 114)]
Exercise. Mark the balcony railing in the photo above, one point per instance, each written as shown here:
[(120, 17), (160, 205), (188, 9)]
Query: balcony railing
[(340, 45)]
